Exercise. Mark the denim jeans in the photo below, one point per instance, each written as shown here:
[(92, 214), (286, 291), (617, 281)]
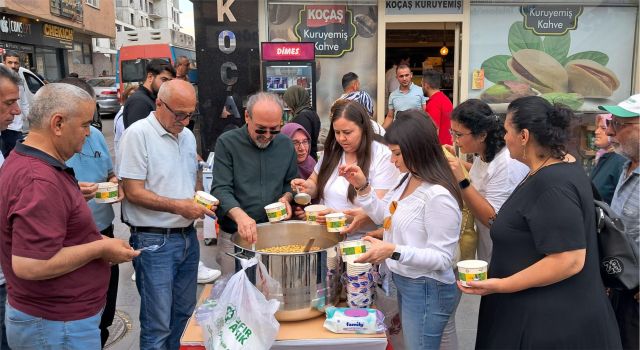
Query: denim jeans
[(425, 307), (166, 279), (3, 332), (26, 332)]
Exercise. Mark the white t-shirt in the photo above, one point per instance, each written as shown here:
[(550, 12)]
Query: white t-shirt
[(494, 181)]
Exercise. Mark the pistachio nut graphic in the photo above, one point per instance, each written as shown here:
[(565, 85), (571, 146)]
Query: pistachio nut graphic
[(506, 91), (591, 79), (538, 69)]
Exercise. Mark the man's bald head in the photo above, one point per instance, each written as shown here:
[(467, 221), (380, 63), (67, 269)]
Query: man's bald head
[(175, 104)]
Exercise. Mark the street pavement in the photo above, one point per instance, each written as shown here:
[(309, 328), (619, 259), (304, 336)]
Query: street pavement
[(128, 304)]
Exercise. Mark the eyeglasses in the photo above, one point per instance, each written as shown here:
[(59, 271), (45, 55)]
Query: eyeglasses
[(272, 131), (179, 116), (386, 224), (304, 143), (617, 125), (457, 134)]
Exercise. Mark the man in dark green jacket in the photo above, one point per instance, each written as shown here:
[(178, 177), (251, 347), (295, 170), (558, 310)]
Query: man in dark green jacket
[(253, 167)]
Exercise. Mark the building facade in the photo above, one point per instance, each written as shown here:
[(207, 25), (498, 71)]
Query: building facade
[(55, 37)]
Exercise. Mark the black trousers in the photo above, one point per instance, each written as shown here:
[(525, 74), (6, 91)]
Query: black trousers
[(112, 295), (626, 310)]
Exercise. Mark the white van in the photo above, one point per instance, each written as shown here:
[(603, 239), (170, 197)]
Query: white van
[(32, 85)]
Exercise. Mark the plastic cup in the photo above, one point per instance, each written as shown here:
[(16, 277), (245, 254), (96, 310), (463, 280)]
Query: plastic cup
[(351, 250), (311, 212), (472, 270), (205, 199), (336, 222), (107, 192), (276, 211)]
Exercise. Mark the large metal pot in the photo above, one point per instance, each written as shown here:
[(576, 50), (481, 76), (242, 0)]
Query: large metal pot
[(307, 284)]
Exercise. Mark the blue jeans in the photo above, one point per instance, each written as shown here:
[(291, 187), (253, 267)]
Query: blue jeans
[(3, 332), (425, 306), (26, 332), (167, 282)]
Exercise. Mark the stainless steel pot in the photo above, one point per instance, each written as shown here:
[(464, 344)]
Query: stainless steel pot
[(307, 283)]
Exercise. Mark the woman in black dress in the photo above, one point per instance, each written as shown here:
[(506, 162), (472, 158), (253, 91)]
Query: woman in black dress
[(544, 289)]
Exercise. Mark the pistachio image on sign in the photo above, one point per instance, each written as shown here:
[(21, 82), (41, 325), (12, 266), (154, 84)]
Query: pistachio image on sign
[(544, 63), (591, 79), (539, 70), (506, 91)]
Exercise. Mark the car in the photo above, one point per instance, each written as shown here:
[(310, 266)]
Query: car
[(106, 94)]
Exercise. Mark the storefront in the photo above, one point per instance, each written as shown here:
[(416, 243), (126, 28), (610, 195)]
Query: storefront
[(40, 45), (482, 39)]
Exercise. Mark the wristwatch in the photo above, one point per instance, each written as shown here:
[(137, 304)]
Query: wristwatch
[(464, 184), (395, 256)]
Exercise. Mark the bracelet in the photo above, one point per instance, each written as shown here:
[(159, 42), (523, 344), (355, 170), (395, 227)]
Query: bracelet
[(363, 187)]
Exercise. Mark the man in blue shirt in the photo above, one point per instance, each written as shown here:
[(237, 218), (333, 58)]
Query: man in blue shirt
[(407, 96)]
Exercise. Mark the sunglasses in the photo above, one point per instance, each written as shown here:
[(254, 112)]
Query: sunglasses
[(617, 125), (179, 116), (272, 131), (386, 224), (456, 134)]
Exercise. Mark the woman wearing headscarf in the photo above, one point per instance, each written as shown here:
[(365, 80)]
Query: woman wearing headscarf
[(297, 99), (301, 142), (606, 173)]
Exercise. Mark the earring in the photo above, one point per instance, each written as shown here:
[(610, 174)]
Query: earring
[(524, 151)]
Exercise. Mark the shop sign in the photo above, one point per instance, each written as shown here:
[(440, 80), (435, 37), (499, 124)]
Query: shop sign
[(422, 7), (550, 20), (288, 51), (57, 32), (552, 56), (330, 27), (71, 9), (18, 27)]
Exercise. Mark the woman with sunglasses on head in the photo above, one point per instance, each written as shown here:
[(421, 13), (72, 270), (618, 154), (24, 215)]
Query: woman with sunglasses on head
[(421, 216), (493, 174), (609, 164), (544, 289), (350, 141)]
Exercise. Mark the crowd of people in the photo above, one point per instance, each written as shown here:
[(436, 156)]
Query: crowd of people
[(400, 184)]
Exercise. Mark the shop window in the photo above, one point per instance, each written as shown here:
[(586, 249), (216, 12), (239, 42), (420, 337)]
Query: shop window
[(81, 53), (94, 3)]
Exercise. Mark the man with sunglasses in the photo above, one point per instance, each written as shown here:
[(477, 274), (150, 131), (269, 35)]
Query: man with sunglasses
[(159, 173), (624, 130), (253, 167)]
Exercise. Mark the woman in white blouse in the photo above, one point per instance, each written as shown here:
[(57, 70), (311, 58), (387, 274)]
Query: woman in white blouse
[(421, 216), (350, 141), (493, 174)]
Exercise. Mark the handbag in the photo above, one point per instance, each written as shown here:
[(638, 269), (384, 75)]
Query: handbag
[(618, 253)]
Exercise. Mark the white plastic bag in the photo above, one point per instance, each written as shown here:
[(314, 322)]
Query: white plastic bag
[(243, 318)]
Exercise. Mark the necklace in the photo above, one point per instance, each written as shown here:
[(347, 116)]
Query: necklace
[(531, 173)]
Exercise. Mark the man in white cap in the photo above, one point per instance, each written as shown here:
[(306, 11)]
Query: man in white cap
[(624, 130)]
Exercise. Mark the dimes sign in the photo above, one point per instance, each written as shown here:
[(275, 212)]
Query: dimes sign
[(330, 27)]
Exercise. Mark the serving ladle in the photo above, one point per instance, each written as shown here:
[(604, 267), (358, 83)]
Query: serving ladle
[(301, 198)]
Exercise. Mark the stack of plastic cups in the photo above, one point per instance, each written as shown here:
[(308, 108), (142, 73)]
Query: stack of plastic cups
[(360, 284)]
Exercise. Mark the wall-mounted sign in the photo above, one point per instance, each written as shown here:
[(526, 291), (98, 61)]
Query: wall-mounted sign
[(288, 51), (550, 20), (422, 7), (71, 9), (25, 30), (330, 27)]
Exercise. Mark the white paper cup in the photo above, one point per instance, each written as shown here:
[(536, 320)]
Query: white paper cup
[(354, 269), (336, 222), (107, 192), (472, 270), (311, 212), (205, 199), (276, 211), (351, 250)]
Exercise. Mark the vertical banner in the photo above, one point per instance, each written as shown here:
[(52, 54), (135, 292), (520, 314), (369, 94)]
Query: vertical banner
[(228, 56)]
